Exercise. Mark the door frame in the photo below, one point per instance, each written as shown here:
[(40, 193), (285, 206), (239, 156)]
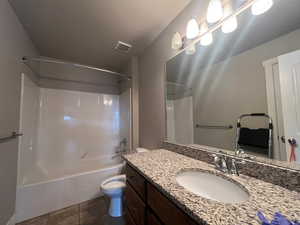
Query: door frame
[(274, 107)]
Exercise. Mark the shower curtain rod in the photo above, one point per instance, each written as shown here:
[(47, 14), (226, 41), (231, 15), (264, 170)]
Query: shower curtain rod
[(58, 61)]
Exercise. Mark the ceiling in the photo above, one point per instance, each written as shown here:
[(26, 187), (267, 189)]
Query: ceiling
[(284, 17), (86, 31)]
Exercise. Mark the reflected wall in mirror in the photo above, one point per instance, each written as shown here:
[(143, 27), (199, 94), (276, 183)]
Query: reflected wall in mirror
[(242, 92)]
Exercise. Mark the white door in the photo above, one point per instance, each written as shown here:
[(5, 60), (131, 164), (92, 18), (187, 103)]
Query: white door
[(289, 70), (275, 107)]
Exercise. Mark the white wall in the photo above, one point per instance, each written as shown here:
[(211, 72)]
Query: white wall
[(170, 120), (180, 127), (14, 45)]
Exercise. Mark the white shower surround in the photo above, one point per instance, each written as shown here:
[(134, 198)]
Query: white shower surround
[(180, 128), (67, 150)]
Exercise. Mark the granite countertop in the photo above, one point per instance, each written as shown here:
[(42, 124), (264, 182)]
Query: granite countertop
[(161, 166)]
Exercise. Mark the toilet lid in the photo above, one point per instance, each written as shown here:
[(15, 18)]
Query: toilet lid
[(114, 184)]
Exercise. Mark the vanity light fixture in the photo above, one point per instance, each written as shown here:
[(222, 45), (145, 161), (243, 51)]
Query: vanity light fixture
[(261, 6), (177, 41), (192, 29), (230, 24), (214, 11), (207, 39)]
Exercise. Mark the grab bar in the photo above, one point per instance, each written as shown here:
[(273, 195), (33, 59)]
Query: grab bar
[(12, 136), (214, 127)]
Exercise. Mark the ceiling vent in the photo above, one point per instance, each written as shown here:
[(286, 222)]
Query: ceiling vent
[(123, 47)]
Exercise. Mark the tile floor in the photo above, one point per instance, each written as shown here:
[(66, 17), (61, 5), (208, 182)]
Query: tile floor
[(93, 212)]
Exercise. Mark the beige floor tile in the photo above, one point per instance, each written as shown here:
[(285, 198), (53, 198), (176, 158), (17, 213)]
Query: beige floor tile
[(67, 216), (105, 220), (41, 220), (92, 212), (114, 221)]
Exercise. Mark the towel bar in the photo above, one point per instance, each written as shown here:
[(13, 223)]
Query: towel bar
[(12, 136), (214, 127)]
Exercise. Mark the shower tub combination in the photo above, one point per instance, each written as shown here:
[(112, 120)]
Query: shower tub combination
[(68, 148)]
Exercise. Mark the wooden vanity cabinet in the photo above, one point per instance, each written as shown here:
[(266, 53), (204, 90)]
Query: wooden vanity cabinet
[(146, 205), (152, 219), (136, 181), (128, 218)]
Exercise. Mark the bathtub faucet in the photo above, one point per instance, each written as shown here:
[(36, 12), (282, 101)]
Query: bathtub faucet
[(123, 142), (122, 146)]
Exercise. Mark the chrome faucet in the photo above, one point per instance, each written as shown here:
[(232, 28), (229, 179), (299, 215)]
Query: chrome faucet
[(239, 152), (220, 163), (234, 169), (227, 164)]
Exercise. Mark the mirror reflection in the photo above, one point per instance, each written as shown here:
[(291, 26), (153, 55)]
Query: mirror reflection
[(241, 92)]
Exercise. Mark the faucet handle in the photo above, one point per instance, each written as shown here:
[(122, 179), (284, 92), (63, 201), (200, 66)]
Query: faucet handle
[(215, 157), (216, 160), (224, 164), (234, 169)]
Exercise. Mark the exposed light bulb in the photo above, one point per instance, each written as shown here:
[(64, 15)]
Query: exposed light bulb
[(261, 6), (230, 24), (192, 29), (176, 41), (207, 39), (214, 11), (190, 50)]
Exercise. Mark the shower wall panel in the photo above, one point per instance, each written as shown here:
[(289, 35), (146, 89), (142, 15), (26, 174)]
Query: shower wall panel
[(76, 125)]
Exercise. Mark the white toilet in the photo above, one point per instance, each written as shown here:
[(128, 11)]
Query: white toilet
[(114, 187)]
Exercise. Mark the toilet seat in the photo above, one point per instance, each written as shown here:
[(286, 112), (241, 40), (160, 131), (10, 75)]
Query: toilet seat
[(114, 182), (114, 185)]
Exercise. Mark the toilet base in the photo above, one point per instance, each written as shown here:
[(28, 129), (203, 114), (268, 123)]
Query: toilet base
[(116, 207)]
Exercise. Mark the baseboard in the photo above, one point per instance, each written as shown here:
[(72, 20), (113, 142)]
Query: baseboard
[(11, 221)]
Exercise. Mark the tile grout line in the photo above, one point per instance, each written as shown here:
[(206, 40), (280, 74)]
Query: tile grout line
[(47, 215)]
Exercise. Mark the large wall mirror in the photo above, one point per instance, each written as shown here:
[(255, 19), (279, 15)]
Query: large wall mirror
[(242, 92)]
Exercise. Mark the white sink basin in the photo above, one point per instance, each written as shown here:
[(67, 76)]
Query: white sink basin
[(212, 187)]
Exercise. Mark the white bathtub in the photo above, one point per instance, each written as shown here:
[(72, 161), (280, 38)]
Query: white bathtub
[(43, 191)]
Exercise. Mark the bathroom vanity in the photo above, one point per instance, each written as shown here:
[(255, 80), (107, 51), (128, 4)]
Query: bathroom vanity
[(146, 204), (155, 197)]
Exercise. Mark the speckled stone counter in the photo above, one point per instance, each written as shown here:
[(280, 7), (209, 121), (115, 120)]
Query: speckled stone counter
[(161, 166), (278, 174)]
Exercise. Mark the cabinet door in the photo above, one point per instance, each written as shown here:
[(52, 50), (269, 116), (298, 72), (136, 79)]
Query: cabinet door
[(137, 181), (135, 205), (167, 211), (152, 219), (128, 218)]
